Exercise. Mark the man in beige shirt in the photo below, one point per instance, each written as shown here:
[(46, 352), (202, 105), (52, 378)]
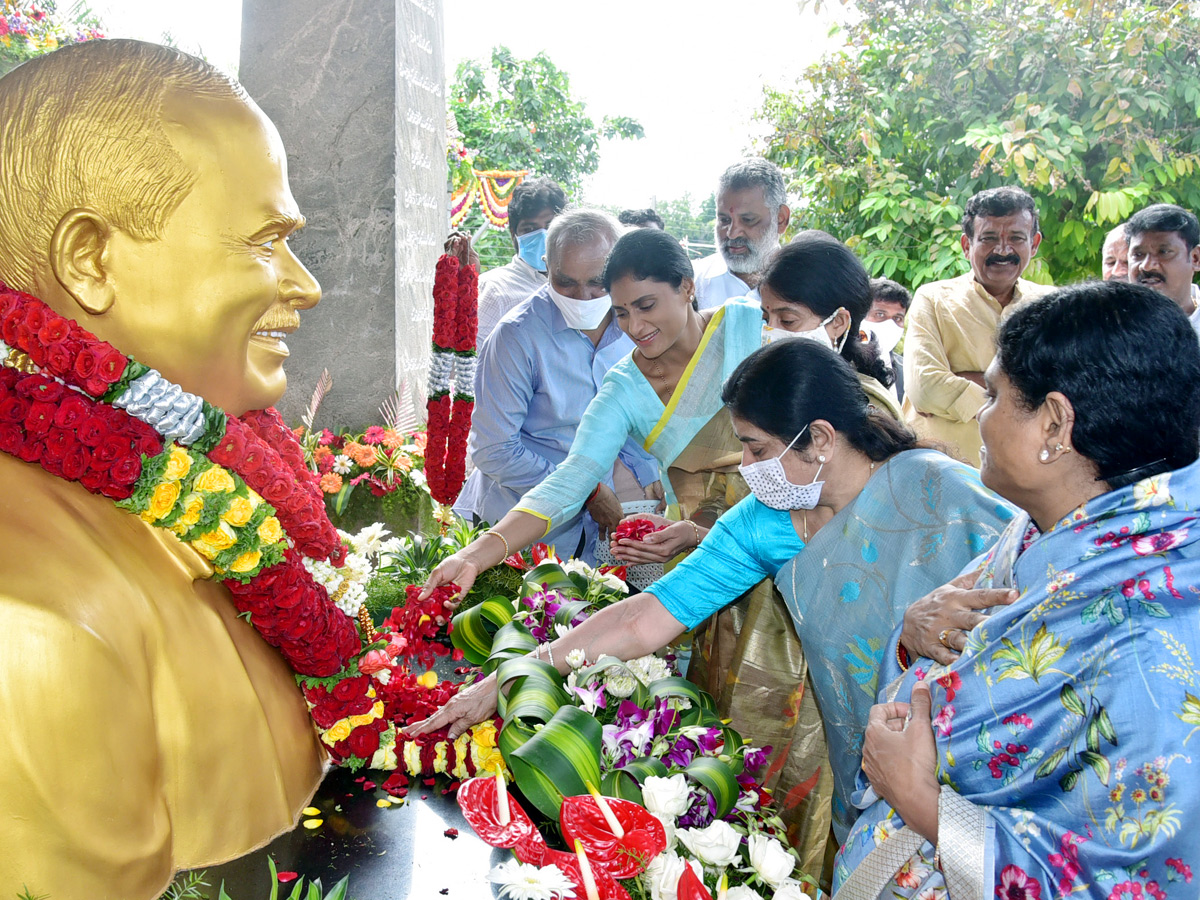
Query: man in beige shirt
[(951, 330)]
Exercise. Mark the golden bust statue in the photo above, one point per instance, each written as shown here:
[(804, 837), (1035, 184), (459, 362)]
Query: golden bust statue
[(148, 728)]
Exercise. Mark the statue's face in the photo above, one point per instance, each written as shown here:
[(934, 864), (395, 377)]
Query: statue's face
[(210, 303)]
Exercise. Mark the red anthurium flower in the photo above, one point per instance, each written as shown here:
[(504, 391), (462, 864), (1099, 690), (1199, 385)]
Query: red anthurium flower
[(477, 798), (517, 562), (606, 879), (541, 552), (690, 886), (624, 856)]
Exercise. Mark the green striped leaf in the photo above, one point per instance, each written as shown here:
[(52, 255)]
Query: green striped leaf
[(640, 695), (512, 675), (718, 777), (559, 760), (621, 784), (548, 576), (511, 641), (569, 611), (474, 629), (679, 687)]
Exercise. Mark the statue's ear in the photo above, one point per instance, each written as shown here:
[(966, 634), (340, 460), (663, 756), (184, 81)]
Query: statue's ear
[(78, 257)]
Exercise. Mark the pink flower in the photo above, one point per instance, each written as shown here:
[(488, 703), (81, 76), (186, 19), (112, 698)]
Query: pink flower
[(1019, 719), (951, 681), (374, 435), (1067, 860), (942, 721), (374, 661), (1147, 544), (1016, 885), (1125, 889)]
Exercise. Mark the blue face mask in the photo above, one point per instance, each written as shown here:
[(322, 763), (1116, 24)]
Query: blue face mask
[(531, 247)]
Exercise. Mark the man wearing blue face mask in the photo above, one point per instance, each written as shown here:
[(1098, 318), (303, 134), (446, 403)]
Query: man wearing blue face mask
[(537, 373), (534, 204)]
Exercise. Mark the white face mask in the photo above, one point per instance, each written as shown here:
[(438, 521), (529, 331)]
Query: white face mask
[(769, 483), (581, 314), (887, 334), (819, 334)]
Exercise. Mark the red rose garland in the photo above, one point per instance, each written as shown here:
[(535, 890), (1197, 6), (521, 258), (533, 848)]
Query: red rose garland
[(451, 377)]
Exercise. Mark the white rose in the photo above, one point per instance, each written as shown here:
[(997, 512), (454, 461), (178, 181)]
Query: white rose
[(770, 859), (666, 796), (717, 845), (619, 684), (668, 824), (741, 892), (663, 874), (790, 890)]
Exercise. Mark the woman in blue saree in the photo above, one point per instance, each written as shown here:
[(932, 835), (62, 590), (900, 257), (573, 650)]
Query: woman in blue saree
[(1053, 756)]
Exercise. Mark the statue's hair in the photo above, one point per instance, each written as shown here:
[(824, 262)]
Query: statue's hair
[(82, 127)]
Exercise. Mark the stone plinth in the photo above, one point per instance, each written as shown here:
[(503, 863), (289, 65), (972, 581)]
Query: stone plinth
[(358, 93)]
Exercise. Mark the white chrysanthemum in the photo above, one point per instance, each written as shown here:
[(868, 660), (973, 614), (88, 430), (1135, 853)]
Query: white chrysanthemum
[(561, 630), (619, 683), (342, 464), (524, 881), (418, 477), (648, 669), (391, 545), (577, 659), (357, 567), (609, 580), (369, 541)]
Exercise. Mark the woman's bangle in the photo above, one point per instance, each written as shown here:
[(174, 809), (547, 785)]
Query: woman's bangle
[(696, 529), (494, 533), (902, 657), (592, 495)]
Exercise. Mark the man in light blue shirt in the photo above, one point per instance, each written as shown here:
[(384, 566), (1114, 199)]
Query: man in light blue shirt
[(536, 374)]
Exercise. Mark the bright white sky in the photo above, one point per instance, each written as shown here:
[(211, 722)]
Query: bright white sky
[(691, 71)]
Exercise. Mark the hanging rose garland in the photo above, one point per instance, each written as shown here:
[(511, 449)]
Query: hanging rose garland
[(236, 490), (451, 377)]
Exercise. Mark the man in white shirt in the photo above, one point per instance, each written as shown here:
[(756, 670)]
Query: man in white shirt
[(534, 204), (1164, 254), (752, 215)]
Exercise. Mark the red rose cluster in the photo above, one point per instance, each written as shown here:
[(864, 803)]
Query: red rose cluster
[(419, 623), (293, 613), (349, 697), (635, 530), (59, 345), (72, 436), (266, 454)]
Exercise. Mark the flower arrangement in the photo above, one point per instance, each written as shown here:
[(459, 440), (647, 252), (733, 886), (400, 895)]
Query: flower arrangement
[(451, 377), (29, 30)]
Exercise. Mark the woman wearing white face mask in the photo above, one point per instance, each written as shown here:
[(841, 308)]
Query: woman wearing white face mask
[(855, 520), (816, 288)]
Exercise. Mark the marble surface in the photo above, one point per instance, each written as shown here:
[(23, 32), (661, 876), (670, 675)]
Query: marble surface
[(357, 92), (390, 853)]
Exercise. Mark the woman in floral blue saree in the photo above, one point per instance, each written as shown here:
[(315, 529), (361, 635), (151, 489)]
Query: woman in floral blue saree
[(1054, 756)]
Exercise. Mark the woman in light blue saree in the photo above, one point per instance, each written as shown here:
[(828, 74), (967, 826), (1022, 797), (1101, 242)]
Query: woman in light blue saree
[(1053, 756)]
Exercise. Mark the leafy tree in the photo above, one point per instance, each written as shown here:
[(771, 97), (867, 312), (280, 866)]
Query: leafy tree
[(1090, 105), (31, 29), (689, 223), (519, 114)]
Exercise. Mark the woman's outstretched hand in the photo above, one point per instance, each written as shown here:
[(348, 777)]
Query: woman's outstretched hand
[(952, 610), (468, 707), (659, 546), (454, 568)]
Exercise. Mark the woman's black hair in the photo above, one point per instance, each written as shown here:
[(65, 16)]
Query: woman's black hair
[(789, 384), (648, 253), (1128, 360), (818, 271)]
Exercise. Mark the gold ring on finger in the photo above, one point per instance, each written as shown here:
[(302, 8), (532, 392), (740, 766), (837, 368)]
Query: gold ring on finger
[(945, 633)]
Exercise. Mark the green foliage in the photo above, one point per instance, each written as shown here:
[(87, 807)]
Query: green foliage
[(1090, 105), (692, 225), (518, 114)]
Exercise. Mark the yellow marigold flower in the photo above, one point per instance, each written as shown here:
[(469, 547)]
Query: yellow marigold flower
[(428, 680), (270, 531), (214, 480), (338, 731), (193, 505), (239, 511), (178, 464), (213, 542), (162, 501), (247, 562)]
